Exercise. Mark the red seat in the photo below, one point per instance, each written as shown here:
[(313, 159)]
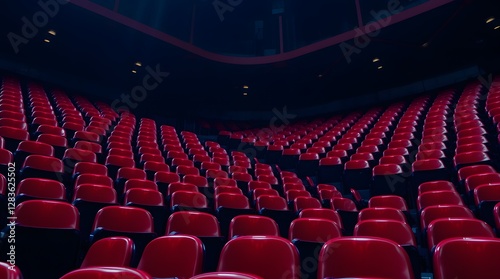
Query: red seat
[(124, 219), (268, 178), (445, 228), (228, 189), (106, 273), (357, 174), (321, 213), (42, 167), (475, 180), (86, 136), (26, 148), (181, 186), (434, 212), (388, 180), (471, 158), (197, 180), (89, 168), (97, 179), (6, 158), (188, 200), (126, 173), (222, 275), (185, 170), (111, 252), (115, 162), (314, 229), (438, 198), (72, 156), (252, 225), (397, 231), (221, 181), (179, 256), (395, 202), (341, 258), (151, 168), (381, 213), (252, 185), (230, 200), (301, 203), (163, 179), (287, 186), (265, 256), (438, 185), (13, 136), (487, 192), (134, 183), (133, 222), (39, 188), (465, 172), (466, 258), (271, 202), (9, 271), (393, 159), (47, 238), (121, 152), (344, 204), (193, 223)]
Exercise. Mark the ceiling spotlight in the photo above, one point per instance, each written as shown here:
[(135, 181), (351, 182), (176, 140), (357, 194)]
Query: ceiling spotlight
[(134, 71), (138, 64), (425, 44), (490, 20), (380, 67), (47, 40), (497, 27), (52, 32), (320, 75), (245, 86), (245, 94), (375, 60)]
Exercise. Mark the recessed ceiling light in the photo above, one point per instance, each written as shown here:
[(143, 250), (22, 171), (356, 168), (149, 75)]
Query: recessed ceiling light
[(320, 75), (52, 32), (497, 27), (245, 86), (138, 64), (380, 67), (47, 40), (490, 19), (375, 60), (134, 71), (425, 44), (245, 94)]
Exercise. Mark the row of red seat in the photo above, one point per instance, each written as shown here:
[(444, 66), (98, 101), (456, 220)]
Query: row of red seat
[(121, 150)]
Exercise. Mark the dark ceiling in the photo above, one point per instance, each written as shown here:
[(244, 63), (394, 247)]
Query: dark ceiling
[(95, 55)]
